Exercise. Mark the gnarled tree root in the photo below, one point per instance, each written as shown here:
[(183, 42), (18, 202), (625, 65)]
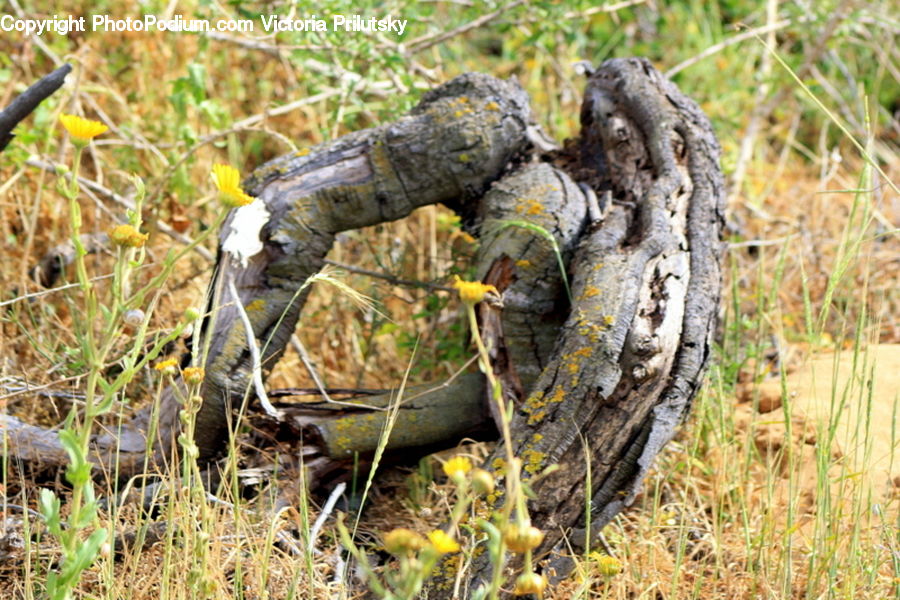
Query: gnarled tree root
[(631, 212), (646, 285)]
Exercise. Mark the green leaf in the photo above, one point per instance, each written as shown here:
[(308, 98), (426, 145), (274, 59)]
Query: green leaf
[(89, 550), (387, 329), (87, 515), (197, 81), (105, 386), (78, 476), (140, 192), (72, 446), (179, 103), (106, 403), (49, 506)]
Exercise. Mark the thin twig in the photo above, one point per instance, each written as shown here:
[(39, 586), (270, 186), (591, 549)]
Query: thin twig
[(606, 8), (737, 39), (41, 387), (285, 108), (326, 512), (289, 542), (96, 187), (310, 368), (261, 46), (605, 544), (22, 509), (50, 291), (284, 392), (254, 354), (758, 243), (425, 42), (18, 385), (388, 277), (320, 387)]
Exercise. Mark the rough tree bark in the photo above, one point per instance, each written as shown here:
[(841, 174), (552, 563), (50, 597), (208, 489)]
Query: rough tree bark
[(646, 285), (459, 139), (611, 361)]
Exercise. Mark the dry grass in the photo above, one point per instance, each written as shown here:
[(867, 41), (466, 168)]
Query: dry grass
[(723, 516)]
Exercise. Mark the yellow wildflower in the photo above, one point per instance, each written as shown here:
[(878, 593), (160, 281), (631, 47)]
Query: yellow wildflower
[(473, 292), (607, 566), (530, 583), (457, 467), (443, 542), (126, 235), (401, 541), (168, 366), (82, 130), (227, 180), (194, 375)]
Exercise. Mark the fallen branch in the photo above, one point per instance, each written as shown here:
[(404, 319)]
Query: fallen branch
[(27, 101)]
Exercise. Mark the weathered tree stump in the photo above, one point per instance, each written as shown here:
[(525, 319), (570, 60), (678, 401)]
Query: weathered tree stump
[(646, 285), (612, 361)]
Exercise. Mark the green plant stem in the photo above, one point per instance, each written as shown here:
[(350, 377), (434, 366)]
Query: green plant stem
[(88, 345), (156, 283), (515, 495)]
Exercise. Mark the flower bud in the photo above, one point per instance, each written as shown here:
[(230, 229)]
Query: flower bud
[(482, 482), (607, 566), (128, 236), (194, 375), (167, 367), (530, 583), (522, 538), (402, 541)]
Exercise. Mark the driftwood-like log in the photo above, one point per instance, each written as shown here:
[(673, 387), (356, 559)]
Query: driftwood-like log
[(606, 257), (423, 416), (454, 144), (528, 226), (646, 284), (458, 140)]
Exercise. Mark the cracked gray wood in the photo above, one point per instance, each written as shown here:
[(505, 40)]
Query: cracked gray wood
[(614, 367), (646, 284)]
